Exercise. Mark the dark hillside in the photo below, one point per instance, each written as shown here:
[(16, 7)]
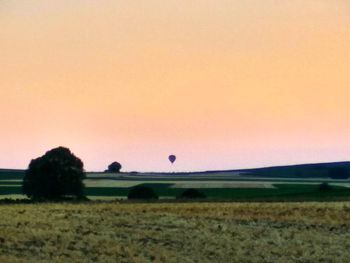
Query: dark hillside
[(317, 170), (11, 174)]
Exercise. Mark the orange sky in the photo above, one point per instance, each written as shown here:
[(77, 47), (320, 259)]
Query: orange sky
[(220, 83)]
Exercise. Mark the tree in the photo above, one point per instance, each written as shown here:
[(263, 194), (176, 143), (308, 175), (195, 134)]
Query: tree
[(192, 194), (57, 174), (114, 167), (142, 192), (324, 187), (338, 173)]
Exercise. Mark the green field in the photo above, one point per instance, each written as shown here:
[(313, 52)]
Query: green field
[(232, 186)]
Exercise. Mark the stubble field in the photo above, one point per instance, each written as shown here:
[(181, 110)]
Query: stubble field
[(175, 232)]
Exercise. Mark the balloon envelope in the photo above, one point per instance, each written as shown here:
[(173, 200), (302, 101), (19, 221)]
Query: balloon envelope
[(172, 158)]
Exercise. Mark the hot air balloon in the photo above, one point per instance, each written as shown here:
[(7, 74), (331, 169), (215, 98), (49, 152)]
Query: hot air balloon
[(172, 158)]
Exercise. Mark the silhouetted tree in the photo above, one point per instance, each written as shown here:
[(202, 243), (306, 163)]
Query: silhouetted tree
[(114, 167), (338, 173), (192, 194), (324, 187), (142, 192), (56, 174)]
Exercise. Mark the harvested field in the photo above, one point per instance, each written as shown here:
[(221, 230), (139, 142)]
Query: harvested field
[(110, 183), (190, 232), (221, 184), (178, 184)]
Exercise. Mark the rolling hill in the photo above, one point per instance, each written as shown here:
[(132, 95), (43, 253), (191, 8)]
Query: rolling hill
[(299, 171)]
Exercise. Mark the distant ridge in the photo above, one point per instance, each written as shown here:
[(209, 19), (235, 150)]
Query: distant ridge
[(315, 165), (267, 168), (12, 170), (297, 170), (288, 171), (11, 174)]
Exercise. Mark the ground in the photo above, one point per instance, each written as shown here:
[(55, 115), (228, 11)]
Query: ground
[(215, 185), (175, 232)]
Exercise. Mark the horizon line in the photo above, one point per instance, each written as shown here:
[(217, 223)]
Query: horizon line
[(207, 171)]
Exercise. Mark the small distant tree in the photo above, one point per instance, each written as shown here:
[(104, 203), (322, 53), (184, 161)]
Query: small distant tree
[(324, 187), (142, 192), (57, 174), (192, 194), (338, 173), (114, 167)]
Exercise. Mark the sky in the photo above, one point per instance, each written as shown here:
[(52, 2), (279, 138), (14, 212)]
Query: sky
[(222, 84)]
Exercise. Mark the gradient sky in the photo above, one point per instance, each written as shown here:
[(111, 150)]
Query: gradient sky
[(220, 83)]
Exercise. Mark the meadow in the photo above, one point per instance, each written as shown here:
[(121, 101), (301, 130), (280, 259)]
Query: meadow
[(175, 232)]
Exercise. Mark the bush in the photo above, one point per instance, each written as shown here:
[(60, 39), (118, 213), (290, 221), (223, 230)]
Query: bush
[(114, 167), (142, 192), (192, 194), (324, 187), (338, 173), (55, 175)]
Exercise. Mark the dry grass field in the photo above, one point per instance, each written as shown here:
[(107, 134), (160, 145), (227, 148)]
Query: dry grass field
[(221, 184), (179, 184), (175, 232)]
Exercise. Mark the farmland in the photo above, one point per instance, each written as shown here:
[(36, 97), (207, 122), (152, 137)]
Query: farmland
[(247, 185), (233, 224), (176, 232)]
